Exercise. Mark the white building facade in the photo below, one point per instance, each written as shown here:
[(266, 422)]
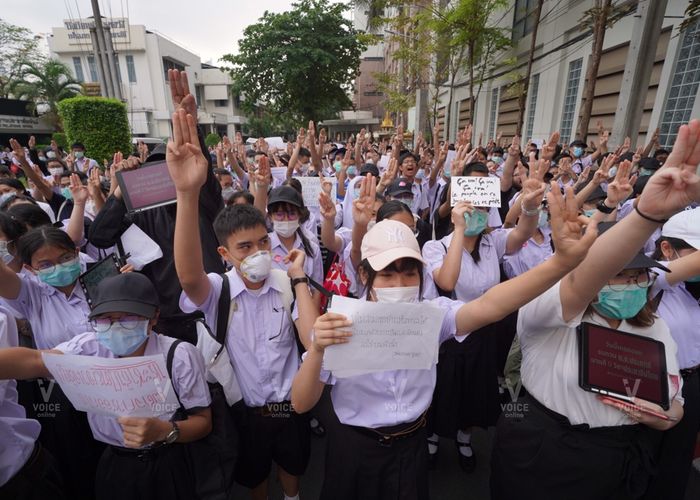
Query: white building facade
[(143, 58)]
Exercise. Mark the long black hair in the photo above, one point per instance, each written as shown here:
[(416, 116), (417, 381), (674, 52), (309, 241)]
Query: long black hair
[(29, 214)]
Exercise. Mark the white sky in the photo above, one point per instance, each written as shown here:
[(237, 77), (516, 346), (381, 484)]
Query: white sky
[(209, 28)]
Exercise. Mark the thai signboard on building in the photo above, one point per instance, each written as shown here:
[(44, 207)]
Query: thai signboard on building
[(79, 30)]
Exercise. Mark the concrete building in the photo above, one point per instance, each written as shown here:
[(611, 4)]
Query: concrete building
[(562, 54), (367, 96), (143, 58)]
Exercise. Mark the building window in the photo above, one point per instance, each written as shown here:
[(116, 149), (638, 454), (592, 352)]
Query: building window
[(683, 87), (494, 112), (524, 18), (221, 103), (78, 66), (570, 98), (131, 69), (93, 69), (170, 64), (119, 71), (198, 94), (532, 91)]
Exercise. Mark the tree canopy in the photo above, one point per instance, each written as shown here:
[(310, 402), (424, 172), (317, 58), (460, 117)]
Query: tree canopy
[(18, 45), (299, 64)]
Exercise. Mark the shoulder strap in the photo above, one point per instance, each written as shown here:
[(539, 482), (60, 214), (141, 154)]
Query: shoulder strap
[(223, 309), (169, 367)]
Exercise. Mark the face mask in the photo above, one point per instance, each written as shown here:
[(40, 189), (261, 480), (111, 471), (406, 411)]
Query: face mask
[(645, 171), (393, 295), (497, 160), (90, 208), (589, 213), (256, 268), (250, 160), (352, 171), (578, 151), (66, 193), (56, 171), (42, 158), (447, 173), (5, 254), (123, 341), (476, 222), (420, 175), (51, 154), (338, 165), (613, 172), (285, 228), (408, 201), (62, 274), (79, 155), (622, 304), (694, 279), (356, 193), (542, 221), (227, 193), (6, 196)]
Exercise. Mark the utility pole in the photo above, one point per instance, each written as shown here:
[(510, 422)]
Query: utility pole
[(111, 88), (640, 61), (101, 74), (112, 58)]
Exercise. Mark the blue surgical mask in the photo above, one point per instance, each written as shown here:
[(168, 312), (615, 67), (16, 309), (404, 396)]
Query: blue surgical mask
[(79, 155), (6, 196), (123, 341), (420, 175), (645, 171), (446, 173), (543, 220), (498, 160), (613, 172), (356, 193), (62, 274), (589, 213), (578, 152), (338, 165), (352, 171), (476, 222), (620, 304), (66, 193)]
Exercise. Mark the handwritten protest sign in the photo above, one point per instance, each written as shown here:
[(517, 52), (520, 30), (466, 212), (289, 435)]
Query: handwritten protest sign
[(130, 387), (385, 337), (311, 188), (383, 163), (279, 174), (479, 191)]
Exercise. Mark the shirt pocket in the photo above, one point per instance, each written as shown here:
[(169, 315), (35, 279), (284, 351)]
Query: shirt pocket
[(278, 327)]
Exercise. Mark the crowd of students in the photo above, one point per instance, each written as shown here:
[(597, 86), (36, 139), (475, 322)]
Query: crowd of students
[(236, 302)]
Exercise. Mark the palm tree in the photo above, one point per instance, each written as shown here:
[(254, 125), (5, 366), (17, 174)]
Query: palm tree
[(46, 83)]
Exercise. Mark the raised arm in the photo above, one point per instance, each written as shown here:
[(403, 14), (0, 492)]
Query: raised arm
[(684, 268), (188, 169), (76, 223), (529, 201), (263, 179), (34, 176), (362, 214), (447, 275), (330, 240), (510, 164), (672, 188), (22, 363)]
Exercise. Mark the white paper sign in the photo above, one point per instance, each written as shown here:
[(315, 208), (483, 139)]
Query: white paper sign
[(119, 387), (479, 191), (142, 248), (451, 155), (279, 174), (385, 337), (383, 163), (311, 188)]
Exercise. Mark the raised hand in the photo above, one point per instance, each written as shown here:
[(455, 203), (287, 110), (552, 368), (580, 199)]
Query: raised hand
[(514, 148), (18, 151), (363, 206), (94, 186), (78, 191), (263, 175), (620, 189), (186, 163), (550, 147), (180, 93), (295, 260), (458, 219), (326, 206), (571, 246), (330, 329), (675, 185)]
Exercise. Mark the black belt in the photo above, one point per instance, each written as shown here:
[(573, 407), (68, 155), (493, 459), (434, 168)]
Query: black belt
[(283, 408), (687, 372), (385, 436), (145, 454)]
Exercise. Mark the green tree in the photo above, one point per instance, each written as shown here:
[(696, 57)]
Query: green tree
[(17, 46), (212, 139), (100, 124), (45, 84), (301, 64)]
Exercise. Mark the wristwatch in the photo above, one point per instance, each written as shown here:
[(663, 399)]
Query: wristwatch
[(602, 207), (173, 435), (296, 281)]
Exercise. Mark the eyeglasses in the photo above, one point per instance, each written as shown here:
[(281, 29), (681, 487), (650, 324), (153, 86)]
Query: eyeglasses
[(48, 267), (285, 215), (101, 325), (643, 280)]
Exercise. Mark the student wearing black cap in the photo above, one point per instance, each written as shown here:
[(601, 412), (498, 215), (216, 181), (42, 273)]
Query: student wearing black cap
[(570, 443), (144, 457)]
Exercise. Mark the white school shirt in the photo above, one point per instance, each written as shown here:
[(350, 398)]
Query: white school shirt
[(550, 365), (530, 255), (348, 221), (260, 338), (474, 279), (681, 312), (626, 209), (420, 198), (390, 397), (18, 433), (188, 378), (313, 266)]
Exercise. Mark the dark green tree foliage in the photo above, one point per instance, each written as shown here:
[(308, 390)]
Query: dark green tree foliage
[(212, 139), (300, 64), (99, 123), (18, 45)]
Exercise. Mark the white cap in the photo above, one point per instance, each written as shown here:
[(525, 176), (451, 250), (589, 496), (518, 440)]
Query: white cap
[(387, 241), (684, 226)]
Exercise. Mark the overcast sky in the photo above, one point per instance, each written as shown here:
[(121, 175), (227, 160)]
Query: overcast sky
[(209, 28)]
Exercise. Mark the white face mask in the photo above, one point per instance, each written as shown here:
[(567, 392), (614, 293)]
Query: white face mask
[(393, 295), (285, 228), (256, 268), (56, 171), (5, 254)]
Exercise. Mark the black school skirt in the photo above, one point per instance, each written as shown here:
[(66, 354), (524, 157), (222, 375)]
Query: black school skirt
[(538, 454), (467, 391)]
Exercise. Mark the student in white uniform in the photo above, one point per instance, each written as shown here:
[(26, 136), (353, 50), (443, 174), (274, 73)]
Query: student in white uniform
[(677, 249), (570, 443), (144, 457), (260, 339), (374, 453)]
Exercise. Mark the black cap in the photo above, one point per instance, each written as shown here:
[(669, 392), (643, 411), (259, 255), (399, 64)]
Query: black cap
[(158, 153), (597, 193), (639, 261), (369, 168), (649, 163), (398, 187), (78, 145), (285, 194), (128, 293)]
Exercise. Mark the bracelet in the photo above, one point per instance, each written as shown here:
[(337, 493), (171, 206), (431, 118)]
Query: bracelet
[(657, 221), (529, 213), (602, 207), (296, 281)]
